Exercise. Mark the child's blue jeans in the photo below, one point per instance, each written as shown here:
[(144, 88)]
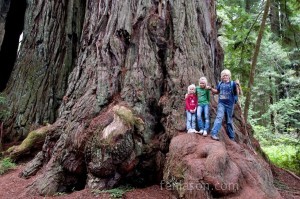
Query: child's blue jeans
[(222, 109), (190, 120), (203, 125)]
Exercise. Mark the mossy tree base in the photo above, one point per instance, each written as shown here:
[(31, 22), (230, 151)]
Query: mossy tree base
[(34, 140)]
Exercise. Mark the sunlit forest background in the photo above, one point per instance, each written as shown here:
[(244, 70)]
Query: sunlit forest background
[(274, 111)]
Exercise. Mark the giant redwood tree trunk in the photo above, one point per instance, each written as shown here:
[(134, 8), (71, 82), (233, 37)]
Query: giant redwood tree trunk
[(124, 98), (51, 34)]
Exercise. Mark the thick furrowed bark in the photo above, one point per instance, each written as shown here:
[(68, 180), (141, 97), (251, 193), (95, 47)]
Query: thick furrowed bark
[(47, 55), (130, 55)]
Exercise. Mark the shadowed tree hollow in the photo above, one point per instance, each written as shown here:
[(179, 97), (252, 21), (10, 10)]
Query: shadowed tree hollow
[(109, 78), (9, 45)]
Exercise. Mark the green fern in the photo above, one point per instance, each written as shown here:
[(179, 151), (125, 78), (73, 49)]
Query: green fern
[(115, 192), (6, 164), (283, 149)]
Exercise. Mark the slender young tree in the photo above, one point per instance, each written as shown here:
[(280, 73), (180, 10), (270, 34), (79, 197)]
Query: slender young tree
[(254, 59), (271, 101)]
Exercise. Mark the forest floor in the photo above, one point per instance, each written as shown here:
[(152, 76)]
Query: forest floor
[(12, 186)]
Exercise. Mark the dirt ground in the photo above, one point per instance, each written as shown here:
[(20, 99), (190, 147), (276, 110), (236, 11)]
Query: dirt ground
[(287, 184), (11, 186)]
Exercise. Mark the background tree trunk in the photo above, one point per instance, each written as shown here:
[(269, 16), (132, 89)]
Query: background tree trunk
[(271, 100), (125, 97), (274, 17), (247, 5)]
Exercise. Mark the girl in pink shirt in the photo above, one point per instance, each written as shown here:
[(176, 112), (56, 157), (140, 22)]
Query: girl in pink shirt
[(191, 103)]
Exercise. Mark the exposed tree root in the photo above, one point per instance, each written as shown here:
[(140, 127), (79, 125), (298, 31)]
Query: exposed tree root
[(35, 139)]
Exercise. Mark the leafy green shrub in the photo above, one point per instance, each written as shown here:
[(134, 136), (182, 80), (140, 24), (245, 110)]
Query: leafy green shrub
[(287, 114), (5, 165), (263, 135), (284, 156), (116, 192), (283, 149)]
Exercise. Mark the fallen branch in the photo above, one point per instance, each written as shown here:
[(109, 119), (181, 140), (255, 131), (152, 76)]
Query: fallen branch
[(290, 192), (293, 174)]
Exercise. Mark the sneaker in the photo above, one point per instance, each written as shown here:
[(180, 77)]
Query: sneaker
[(194, 131), (201, 132), (214, 137), (190, 131), (204, 133)]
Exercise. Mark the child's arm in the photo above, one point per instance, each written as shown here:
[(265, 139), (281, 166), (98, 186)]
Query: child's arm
[(196, 99), (213, 90)]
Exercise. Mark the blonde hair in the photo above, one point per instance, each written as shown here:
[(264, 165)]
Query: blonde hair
[(204, 80), (226, 72), (191, 86)]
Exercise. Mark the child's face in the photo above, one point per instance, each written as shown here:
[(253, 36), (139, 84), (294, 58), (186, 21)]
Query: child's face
[(202, 84), (192, 90), (225, 78)]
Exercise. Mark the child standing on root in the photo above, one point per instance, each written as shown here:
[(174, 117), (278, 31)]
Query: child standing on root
[(191, 107), (202, 92), (226, 90)]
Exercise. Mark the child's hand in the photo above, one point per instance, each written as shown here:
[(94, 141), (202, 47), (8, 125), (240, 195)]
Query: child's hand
[(208, 88), (186, 96)]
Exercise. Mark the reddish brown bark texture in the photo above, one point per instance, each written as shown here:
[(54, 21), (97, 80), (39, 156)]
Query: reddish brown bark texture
[(47, 55)]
